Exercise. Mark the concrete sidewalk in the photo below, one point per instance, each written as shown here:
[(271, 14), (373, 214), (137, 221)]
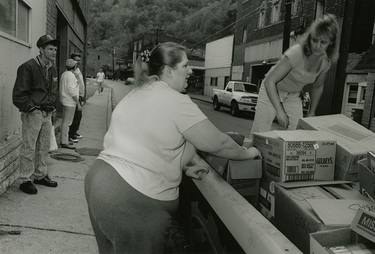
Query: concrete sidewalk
[(56, 219)]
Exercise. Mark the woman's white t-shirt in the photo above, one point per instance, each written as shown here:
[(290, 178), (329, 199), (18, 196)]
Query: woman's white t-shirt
[(144, 142)]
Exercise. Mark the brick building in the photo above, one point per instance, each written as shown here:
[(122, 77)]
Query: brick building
[(22, 22), (259, 38)]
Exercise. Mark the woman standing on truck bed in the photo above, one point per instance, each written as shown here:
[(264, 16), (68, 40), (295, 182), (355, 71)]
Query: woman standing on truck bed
[(304, 63)]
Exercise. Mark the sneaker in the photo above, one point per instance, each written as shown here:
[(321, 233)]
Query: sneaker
[(46, 181), (68, 146), (28, 187), (73, 140), (78, 136)]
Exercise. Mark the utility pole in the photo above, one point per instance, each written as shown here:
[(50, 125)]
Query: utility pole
[(287, 18)]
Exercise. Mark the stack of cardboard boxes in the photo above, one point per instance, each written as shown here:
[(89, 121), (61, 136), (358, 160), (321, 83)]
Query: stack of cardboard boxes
[(308, 176)]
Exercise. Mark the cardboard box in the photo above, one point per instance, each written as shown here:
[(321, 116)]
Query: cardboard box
[(244, 176), (353, 141), (294, 214), (267, 196), (371, 159), (360, 233), (366, 179), (298, 155)]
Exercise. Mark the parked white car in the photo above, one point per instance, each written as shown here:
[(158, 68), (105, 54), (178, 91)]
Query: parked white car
[(238, 96)]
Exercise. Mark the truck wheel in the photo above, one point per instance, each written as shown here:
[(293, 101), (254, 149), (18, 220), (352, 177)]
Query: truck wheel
[(234, 108), (216, 104)]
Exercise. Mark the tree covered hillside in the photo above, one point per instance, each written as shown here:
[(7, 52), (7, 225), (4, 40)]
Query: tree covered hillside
[(194, 22)]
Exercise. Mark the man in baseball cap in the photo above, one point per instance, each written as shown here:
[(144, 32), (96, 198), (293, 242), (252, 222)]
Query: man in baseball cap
[(34, 94), (69, 98), (45, 40)]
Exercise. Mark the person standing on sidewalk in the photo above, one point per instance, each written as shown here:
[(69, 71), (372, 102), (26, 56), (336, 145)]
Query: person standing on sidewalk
[(34, 94), (69, 98), (74, 136), (100, 76), (133, 187)]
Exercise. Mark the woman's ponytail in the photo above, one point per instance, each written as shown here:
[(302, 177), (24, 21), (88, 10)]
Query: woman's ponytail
[(141, 72)]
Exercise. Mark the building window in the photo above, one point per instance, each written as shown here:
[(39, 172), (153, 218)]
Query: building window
[(244, 34), (262, 15), (295, 6), (275, 14), (14, 19), (353, 91), (213, 81)]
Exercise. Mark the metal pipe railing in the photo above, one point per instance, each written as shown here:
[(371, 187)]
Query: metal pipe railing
[(253, 232)]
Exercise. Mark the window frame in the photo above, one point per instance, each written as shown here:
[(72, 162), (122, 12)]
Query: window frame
[(262, 15), (295, 7), (275, 11), (14, 37)]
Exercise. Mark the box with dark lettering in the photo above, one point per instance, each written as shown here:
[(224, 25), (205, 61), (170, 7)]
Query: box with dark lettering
[(299, 155), (358, 238)]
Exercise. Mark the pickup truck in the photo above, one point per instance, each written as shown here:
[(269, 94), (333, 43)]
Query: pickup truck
[(238, 96)]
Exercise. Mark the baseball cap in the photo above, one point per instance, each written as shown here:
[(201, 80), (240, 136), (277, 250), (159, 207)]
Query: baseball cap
[(70, 63), (46, 39)]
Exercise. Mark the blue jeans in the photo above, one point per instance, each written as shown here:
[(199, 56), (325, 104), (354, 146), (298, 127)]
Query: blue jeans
[(36, 131)]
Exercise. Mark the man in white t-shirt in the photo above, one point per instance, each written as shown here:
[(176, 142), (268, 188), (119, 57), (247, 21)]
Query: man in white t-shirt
[(74, 136), (69, 98), (100, 76)]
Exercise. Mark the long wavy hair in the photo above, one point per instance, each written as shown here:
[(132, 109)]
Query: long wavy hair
[(164, 54), (325, 26)]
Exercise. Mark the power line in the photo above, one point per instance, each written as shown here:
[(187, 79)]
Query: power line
[(228, 26)]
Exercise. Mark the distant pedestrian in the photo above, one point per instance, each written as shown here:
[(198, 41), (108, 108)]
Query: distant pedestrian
[(69, 98), (34, 94), (100, 76), (133, 187), (304, 63), (74, 136)]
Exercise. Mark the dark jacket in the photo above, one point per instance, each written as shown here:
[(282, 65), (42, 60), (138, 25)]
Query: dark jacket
[(34, 88)]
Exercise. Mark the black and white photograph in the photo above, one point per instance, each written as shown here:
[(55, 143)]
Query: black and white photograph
[(187, 126)]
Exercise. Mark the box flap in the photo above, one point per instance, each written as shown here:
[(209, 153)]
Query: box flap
[(371, 160), (338, 212), (290, 185), (364, 224), (247, 169), (304, 135)]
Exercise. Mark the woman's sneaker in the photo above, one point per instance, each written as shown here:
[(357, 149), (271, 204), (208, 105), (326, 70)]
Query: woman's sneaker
[(74, 140)]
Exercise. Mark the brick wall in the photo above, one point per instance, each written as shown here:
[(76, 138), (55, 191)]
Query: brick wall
[(368, 119), (51, 18)]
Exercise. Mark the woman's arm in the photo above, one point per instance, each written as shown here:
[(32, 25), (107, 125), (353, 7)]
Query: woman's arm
[(206, 137), (278, 72), (316, 93)]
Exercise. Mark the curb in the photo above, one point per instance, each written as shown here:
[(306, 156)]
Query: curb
[(200, 99), (109, 107)]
